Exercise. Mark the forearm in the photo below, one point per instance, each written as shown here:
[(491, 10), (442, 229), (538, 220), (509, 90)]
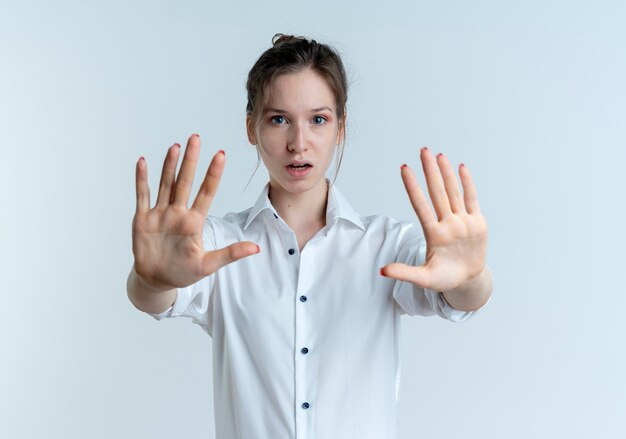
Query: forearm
[(146, 298), (473, 294)]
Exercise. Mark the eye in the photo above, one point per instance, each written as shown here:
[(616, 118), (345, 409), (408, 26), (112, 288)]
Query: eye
[(278, 120), (319, 120)]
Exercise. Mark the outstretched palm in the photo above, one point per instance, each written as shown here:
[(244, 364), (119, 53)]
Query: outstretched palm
[(456, 238), (167, 239)]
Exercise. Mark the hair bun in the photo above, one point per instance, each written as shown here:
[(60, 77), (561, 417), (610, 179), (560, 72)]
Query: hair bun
[(279, 39)]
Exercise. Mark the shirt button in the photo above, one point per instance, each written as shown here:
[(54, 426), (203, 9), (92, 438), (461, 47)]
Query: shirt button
[(304, 350), (305, 405), (291, 251), (302, 298)]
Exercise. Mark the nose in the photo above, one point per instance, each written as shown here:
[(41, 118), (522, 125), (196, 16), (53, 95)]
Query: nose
[(297, 138)]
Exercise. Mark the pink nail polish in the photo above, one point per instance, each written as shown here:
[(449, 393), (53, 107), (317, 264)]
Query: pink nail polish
[(381, 273), (258, 249), (196, 135), (221, 151), (142, 158), (403, 166), (425, 148), (439, 155), (462, 165)]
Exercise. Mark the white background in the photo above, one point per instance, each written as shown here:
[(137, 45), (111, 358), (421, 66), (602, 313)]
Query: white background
[(530, 95)]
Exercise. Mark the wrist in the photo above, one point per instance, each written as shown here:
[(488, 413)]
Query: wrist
[(141, 284), (471, 294), (469, 283), (146, 297)]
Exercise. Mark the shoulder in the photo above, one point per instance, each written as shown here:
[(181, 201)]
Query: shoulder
[(387, 225), (230, 220), (229, 227), (393, 234)]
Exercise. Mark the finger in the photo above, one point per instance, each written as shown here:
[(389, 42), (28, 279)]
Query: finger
[(435, 184), (141, 185), (182, 187), (451, 184), (417, 197), (167, 176), (469, 190), (216, 259), (209, 186), (407, 273)]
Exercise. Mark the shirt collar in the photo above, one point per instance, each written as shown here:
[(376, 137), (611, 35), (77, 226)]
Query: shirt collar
[(337, 207)]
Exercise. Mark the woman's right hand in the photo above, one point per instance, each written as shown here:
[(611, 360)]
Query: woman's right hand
[(167, 239)]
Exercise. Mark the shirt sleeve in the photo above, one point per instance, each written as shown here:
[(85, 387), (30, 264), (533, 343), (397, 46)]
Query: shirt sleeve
[(414, 300), (196, 300)]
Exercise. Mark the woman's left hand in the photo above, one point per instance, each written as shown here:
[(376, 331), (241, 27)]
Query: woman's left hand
[(456, 239)]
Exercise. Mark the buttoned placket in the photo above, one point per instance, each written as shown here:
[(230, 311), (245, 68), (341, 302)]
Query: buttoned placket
[(303, 327)]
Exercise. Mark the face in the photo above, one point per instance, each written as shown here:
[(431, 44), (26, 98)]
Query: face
[(299, 125)]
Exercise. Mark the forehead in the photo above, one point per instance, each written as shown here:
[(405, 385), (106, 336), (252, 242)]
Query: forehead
[(303, 90)]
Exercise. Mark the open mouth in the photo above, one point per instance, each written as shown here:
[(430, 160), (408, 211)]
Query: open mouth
[(299, 171)]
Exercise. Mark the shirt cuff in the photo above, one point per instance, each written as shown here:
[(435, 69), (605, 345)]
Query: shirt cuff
[(173, 311), (162, 315), (444, 309)]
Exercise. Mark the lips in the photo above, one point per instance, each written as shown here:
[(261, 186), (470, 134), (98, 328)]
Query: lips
[(299, 169), (299, 164)]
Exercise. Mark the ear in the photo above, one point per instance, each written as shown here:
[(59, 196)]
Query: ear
[(250, 130)]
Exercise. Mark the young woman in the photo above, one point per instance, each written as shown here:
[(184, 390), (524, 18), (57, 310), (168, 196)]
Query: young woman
[(302, 295)]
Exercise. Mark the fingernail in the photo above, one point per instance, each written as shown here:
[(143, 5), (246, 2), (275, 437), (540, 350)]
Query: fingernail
[(176, 145), (462, 165), (258, 249), (381, 273), (403, 166), (222, 151), (142, 158), (439, 155), (425, 148), (197, 135)]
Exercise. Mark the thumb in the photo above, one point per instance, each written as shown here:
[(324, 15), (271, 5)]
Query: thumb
[(216, 259), (407, 273)]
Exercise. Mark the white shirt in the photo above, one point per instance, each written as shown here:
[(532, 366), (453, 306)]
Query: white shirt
[(306, 344)]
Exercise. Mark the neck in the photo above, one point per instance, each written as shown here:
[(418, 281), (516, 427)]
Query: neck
[(302, 210)]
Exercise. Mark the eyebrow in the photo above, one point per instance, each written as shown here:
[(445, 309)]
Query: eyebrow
[(314, 110)]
